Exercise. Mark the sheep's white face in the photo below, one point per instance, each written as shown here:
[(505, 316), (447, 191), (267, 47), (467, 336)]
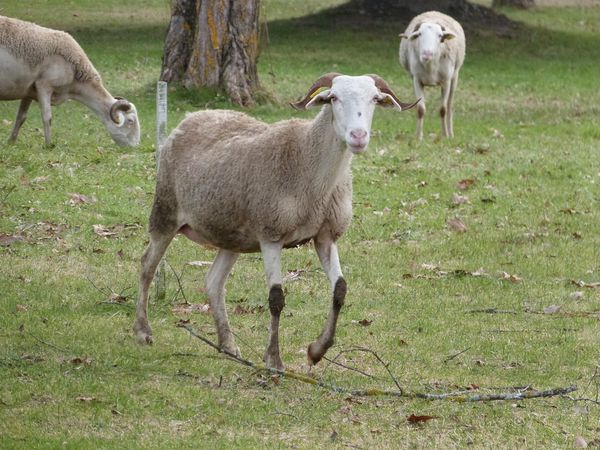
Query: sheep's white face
[(125, 130), (353, 100), (429, 37)]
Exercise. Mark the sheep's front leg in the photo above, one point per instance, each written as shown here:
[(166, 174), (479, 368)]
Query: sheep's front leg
[(21, 116), (328, 255), (271, 252), (419, 93), (215, 288), (445, 113)]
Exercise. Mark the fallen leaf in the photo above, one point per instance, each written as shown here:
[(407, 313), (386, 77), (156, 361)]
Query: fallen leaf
[(79, 360), (419, 419), (457, 225), (497, 133), (116, 298), (7, 239), (458, 199), (512, 278), (580, 442), (465, 184), (293, 275), (79, 199), (242, 310), (190, 308), (553, 309), (41, 179), (85, 398), (363, 322), (577, 295), (103, 231)]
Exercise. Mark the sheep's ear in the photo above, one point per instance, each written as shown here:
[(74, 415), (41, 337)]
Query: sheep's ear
[(387, 97), (447, 36), (403, 36)]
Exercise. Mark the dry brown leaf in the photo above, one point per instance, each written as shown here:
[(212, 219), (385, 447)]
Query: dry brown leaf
[(363, 322), (85, 398), (580, 442), (7, 239), (457, 225), (103, 231), (512, 278), (79, 360), (458, 199), (191, 308), (79, 199), (21, 308), (414, 419), (552, 309), (293, 275), (465, 184)]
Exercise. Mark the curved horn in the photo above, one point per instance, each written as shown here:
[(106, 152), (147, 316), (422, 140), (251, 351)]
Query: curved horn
[(120, 105), (382, 85), (323, 82)]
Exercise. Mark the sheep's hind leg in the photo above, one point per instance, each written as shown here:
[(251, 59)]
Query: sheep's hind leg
[(328, 255), (150, 259), (215, 288), (272, 259), (21, 116)]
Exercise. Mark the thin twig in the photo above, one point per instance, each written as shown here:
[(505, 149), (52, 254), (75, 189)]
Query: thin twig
[(582, 399), (451, 357), (178, 278), (49, 344), (354, 369), (461, 396), (384, 364), (97, 288), (492, 311)]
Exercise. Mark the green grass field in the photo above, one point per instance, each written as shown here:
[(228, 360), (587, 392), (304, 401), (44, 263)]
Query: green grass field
[(513, 301)]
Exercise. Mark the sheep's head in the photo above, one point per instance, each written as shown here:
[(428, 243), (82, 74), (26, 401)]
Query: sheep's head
[(353, 101), (123, 124), (428, 36)]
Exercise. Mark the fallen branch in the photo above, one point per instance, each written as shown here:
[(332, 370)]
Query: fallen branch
[(459, 396)]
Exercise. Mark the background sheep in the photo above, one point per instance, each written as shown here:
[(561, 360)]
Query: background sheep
[(241, 185), (38, 63), (432, 50)]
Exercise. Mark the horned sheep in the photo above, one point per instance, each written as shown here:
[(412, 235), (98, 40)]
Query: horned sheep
[(49, 66), (238, 184), (432, 50)]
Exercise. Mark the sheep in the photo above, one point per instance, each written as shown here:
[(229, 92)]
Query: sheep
[(238, 184), (432, 50), (46, 65)]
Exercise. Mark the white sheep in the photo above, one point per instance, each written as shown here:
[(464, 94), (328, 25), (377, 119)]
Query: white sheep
[(232, 182), (432, 50), (46, 65)]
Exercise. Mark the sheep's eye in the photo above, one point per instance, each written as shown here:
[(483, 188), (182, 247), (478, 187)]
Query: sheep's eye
[(376, 98), (333, 98)]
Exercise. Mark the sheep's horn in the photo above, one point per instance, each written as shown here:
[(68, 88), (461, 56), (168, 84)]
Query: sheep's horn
[(323, 82), (120, 105), (382, 85)]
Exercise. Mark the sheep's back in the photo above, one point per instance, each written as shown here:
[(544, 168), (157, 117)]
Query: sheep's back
[(33, 43)]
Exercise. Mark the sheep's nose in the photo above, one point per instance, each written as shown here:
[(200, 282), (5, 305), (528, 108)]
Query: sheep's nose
[(426, 55), (358, 135)]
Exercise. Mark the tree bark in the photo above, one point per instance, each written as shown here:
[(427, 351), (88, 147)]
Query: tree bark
[(525, 4), (214, 43)]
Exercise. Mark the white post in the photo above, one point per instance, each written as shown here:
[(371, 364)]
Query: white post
[(160, 280)]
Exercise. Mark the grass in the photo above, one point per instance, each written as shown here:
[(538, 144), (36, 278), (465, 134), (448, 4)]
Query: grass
[(527, 135)]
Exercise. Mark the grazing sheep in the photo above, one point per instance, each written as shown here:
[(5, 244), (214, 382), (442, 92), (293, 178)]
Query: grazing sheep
[(232, 182), (432, 50), (38, 63)]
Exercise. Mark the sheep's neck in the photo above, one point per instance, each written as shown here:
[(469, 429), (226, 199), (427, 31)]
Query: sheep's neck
[(95, 97), (329, 158)]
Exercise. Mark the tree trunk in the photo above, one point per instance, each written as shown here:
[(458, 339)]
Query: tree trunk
[(214, 43), (525, 4)]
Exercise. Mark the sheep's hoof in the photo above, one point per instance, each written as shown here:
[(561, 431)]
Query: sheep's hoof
[(274, 362), (315, 352), (231, 349), (143, 333)]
